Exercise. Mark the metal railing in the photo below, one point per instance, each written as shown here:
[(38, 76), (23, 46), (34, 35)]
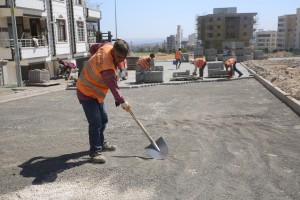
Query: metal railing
[(23, 43)]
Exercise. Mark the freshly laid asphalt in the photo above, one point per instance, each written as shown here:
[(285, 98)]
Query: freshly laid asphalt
[(227, 140)]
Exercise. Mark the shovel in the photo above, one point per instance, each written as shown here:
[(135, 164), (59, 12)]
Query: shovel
[(157, 149)]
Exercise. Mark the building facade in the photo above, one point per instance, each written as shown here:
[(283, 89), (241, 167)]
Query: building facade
[(171, 42), (266, 40), (288, 29), (46, 30), (286, 36), (225, 25)]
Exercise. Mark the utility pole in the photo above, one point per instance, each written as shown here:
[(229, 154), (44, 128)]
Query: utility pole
[(116, 20), (16, 44)]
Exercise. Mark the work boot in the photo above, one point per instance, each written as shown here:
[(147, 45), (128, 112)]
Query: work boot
[(98, 157), (108, 147)]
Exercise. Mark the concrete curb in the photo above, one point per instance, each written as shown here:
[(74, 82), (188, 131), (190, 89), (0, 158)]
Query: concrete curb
[(169, 83), (283, 96)]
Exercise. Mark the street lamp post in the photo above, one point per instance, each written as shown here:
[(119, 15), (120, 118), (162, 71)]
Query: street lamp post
[(16, 44), (116, 20)]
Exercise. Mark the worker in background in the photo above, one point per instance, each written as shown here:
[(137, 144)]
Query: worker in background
[(178, 56), (143, 64), (98, 75), (230, 65), (122, 70), (200, 64)]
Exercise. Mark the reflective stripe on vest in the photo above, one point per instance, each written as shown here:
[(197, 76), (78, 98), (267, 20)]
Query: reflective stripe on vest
[(90, 71)]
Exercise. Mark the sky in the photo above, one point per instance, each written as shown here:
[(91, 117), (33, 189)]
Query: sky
[(138, 20)]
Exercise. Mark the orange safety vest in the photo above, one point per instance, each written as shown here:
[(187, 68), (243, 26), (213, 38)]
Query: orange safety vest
[(230, 61), (91, 82), (178, 54), (143, 62), (123, 65), (199, 62)]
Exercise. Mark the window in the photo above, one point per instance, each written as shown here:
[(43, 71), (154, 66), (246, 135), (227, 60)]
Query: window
[(80, 28), (61, 30), (78, 2)]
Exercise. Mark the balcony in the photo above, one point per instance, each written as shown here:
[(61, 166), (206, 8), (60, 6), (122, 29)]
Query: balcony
[(23, 7), (31, 4), (93, 11), (29, 48)]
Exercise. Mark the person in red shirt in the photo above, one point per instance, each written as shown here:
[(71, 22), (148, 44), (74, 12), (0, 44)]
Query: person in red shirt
[(122, 70), (97, 76)]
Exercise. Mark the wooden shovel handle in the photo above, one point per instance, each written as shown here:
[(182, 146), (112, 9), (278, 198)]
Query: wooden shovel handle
[(144, 130)]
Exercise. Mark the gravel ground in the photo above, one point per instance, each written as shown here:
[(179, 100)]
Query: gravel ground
[(282, 73), (227, 140)]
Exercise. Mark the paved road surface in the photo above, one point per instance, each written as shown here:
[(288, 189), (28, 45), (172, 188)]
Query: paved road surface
[(227, 140)]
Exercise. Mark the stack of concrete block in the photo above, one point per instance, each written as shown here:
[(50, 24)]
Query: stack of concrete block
[(131, 62), (154, 77), (248, 54), (258, 55), (216, 69), (181, 74), (198, 52), (210, 54), (236, 50), (220, 57), (239, 51), (158, 68), (38, 76)]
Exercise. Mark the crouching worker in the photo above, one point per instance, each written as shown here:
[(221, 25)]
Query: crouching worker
[(230, 66), (199, 63), (98, 76), (143, 64)]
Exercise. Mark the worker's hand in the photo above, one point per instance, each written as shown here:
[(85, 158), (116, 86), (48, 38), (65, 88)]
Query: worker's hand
[(126, 106)]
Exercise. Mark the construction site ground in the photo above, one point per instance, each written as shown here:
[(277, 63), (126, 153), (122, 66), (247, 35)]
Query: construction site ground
[(227, 140)]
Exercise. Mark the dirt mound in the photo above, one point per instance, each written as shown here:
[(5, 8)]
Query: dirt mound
[(283, 73)]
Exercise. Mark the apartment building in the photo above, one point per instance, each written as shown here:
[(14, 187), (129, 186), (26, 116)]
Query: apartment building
[(46, 30), (288, 28), (297, 43), (171, 42), (286, 37), (266, 40), (225, 25)]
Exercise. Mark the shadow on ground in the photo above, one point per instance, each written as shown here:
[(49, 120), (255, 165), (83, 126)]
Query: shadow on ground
[(45, 169)]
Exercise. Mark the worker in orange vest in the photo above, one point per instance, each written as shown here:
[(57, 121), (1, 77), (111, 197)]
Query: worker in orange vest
[(178, 55), (143, 64), (230, 65), (98, 75), (199, 63), (122, 70)]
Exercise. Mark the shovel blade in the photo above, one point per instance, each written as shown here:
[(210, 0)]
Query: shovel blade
[(163, 147)]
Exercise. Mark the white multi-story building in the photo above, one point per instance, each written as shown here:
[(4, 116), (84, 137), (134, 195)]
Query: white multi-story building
[(46, 30), (192, 39), (266, 40), (286, 36), (178, 37)]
